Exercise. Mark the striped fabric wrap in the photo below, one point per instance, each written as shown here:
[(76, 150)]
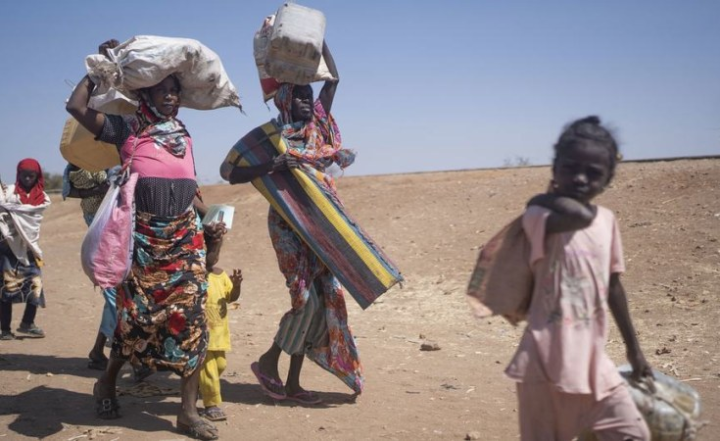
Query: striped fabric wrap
[(318, 217)]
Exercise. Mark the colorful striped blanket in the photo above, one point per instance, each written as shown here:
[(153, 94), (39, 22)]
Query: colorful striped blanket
[(315, 214)]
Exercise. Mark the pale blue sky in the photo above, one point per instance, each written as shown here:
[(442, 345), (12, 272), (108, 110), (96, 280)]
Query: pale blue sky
[(425, 85)]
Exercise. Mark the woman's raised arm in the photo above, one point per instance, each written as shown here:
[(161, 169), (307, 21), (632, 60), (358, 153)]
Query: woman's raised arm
[(77, 106), (327, 93)]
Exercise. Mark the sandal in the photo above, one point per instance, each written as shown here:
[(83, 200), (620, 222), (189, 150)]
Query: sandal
[(7, 335), (32, 330), (105, 408), (200, 429), (268, 384), (305, 397), (214, 413)]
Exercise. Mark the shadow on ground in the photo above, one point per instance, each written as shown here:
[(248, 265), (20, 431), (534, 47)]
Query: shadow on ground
[(63, 410), (75, 411), (252, 394), (47, 364)]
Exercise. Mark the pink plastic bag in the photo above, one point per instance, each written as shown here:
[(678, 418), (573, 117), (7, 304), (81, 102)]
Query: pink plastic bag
[(107, 249)]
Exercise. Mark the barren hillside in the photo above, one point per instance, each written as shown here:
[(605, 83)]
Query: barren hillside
[(431, 224)]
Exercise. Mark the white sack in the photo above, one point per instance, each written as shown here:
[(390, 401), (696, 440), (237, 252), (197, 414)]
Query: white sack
[(146, 60)]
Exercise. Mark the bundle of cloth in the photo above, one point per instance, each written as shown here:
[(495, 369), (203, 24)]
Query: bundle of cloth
[(21, 213)]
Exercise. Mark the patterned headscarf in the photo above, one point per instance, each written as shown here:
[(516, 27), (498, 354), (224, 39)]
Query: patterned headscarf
[(316, 141), (35, 196), (168, 132)]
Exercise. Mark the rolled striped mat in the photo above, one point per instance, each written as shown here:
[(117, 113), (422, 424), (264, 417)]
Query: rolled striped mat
[(318, 218)]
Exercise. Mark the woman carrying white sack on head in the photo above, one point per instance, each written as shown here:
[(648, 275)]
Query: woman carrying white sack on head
[(161, 316)]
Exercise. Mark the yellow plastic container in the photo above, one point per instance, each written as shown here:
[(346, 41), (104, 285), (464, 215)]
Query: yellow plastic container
[(79, 147)]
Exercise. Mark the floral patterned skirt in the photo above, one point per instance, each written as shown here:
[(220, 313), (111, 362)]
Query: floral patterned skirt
[(161, 307), (318, 320)]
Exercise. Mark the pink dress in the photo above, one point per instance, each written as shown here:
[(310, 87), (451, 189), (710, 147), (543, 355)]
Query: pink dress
[(566, 381), (568, 320)]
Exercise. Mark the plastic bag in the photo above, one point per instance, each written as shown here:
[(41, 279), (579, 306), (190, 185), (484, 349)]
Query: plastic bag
[(671, 410), (145, 60), (220, 213), (107, 249), (502, 281)]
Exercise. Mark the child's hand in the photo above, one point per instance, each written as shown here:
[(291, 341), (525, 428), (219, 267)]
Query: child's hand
[(215, 231), (236, 278), (110, 44), (641, 368)]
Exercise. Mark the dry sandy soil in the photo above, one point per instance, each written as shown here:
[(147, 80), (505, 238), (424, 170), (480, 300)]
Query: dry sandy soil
[(431, 225)]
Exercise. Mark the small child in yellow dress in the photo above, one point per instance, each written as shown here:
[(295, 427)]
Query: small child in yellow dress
[(222, 290)]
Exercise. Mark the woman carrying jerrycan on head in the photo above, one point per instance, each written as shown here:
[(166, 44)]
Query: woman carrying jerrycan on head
[(316, 325), (161, 317), (321, 250)]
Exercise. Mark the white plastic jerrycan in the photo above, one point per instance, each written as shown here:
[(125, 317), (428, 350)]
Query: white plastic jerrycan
[(296, 43)]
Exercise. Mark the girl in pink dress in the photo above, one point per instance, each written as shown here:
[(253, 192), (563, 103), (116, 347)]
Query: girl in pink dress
[(566, 383)]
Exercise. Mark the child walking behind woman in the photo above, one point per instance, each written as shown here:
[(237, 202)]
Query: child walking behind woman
[(222, 290), (566, 383)]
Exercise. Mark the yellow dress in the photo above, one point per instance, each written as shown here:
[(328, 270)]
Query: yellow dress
[(216, 310)]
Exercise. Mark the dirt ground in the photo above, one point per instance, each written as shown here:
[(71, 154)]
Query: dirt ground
[(432, 225)]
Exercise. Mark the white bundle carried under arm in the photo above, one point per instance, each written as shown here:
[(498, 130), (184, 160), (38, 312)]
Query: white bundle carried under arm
[(20, 224)]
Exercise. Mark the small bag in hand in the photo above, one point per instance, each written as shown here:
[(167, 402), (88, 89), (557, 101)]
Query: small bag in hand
[(107, 248), (502, 281)]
